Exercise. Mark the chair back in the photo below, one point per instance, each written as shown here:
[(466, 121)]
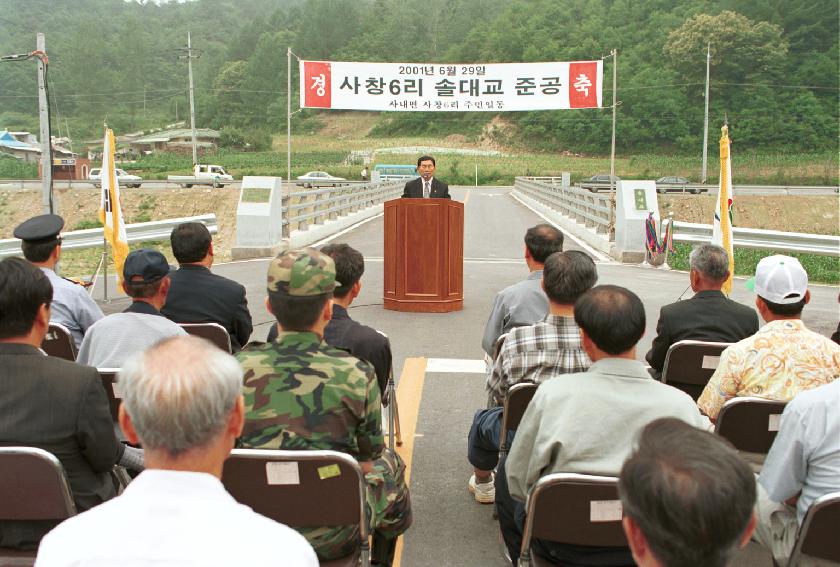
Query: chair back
[(689, 365), (109, 382), (59, 342), (300, 488), (575, 509), (33, 486), (818, 534), (516, 402), (750, 424), (213, 332)]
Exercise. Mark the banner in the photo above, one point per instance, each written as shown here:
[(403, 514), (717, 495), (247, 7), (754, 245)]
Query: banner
[(435, 87), (110, 205), (722, 226)]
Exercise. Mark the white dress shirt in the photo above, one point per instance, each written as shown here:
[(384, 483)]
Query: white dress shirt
[(169, 518)]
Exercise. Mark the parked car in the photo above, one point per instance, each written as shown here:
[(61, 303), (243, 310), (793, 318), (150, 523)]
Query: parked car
[(598, 182), (318, 178), (674, 183), (123, 178)]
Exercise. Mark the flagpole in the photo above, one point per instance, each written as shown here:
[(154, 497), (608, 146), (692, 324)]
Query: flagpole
[(105, 265)]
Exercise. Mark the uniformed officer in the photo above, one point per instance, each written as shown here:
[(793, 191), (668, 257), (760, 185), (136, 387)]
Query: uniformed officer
[(71, 305)]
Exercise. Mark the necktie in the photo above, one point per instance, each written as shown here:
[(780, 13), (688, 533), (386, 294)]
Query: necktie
[(426, 189)]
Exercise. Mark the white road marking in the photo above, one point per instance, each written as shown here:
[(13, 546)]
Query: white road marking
[(456, 365), (346, 230)]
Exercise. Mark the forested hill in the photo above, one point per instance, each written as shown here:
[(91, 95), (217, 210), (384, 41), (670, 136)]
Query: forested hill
[(774, 64)]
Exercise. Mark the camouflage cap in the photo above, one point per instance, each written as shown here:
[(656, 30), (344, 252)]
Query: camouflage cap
[(302, 273)]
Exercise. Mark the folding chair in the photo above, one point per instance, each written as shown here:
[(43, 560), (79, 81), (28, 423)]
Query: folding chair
[(59, 342), (490, 361), (302, 489), (751, 425), (213, 332), (689, 365), (570, 508), (33, 486), (516, 402), (817, 535)]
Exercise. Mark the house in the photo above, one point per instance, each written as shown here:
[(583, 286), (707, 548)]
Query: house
[(10, 144), (175, 140)]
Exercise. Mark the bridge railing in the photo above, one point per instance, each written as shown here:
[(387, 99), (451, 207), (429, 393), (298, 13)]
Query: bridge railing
[(137, 232), (822, 244), (591, 209), (302, 209)]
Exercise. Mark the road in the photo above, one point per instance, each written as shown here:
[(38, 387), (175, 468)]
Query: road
[(438, 360)]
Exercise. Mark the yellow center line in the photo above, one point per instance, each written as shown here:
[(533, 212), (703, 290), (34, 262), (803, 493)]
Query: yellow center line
[(409, 393)]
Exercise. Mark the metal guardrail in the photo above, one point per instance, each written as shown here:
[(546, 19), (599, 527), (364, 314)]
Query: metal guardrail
[(137, 232), (317, 206), (821, 244), (591, 209)]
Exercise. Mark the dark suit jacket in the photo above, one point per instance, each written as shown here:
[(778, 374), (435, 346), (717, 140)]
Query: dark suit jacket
[(61, 407), (708, 316), (414, 189), (361, 341), (197, 295)]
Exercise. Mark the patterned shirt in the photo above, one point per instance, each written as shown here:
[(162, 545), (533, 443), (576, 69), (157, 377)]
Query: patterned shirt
[(301, 393), (780, 360), (537, 353)]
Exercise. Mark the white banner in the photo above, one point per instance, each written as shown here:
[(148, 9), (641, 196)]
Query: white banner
[(429, 87)]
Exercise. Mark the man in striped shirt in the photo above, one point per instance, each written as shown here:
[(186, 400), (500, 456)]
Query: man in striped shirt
[(532, 354)]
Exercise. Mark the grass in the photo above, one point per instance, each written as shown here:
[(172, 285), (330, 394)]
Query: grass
[(82, 263), (821, 269)]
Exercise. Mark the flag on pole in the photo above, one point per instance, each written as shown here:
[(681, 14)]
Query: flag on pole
[(110, 205), (722, 228)]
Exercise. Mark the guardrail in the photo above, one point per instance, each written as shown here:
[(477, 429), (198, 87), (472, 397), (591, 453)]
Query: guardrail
[(304, 208), (591, 209), (137, 232), (825, 245)]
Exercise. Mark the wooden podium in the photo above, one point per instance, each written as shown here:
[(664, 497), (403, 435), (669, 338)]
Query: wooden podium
[(424, 255)]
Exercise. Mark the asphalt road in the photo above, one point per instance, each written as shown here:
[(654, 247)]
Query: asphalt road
[(449, 527)]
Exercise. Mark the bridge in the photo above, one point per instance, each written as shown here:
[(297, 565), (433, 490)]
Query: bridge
[(440, 371)]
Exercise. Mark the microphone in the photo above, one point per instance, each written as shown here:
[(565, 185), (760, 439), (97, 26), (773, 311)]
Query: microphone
[(683, 293)]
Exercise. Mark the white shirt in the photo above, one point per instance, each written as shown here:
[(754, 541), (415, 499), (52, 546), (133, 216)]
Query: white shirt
[(169, 518), (806, 452), (113, 339), (72, 306)]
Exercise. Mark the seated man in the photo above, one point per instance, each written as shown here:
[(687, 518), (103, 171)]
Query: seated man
[(182, 401), (709, 315), (803, 464), (587, 422), (361, 341), (783, 357), (71, 305), (301, 393), (113, 339), (532, 354), (197, 295), (523, 303), (687, 497), (51, 403)]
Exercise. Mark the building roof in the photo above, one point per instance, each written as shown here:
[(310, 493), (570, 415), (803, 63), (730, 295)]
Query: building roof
[(8, 140), (167, 135)]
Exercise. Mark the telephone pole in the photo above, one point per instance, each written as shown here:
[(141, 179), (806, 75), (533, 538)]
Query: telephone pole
[(706, 114), (189, 57)]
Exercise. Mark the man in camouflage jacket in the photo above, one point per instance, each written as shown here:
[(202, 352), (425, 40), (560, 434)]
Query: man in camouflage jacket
[(301, 393)]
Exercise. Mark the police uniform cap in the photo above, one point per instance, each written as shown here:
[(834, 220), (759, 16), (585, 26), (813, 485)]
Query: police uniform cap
[(39, 230)]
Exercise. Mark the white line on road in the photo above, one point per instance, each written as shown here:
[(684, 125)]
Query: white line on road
[(456, 365)]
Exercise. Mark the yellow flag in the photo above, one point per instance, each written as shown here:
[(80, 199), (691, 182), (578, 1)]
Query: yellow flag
[(722, 227), (110, 205)]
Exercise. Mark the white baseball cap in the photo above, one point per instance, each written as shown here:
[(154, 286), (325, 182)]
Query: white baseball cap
[(779, 279)]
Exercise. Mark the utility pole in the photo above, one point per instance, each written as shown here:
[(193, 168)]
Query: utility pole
[(706, 114), (189, 57), (614, 54), (289, 117), (46, 135)]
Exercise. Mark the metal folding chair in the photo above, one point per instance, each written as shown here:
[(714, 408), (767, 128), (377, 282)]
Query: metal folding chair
[(59, 342), (689, 365)]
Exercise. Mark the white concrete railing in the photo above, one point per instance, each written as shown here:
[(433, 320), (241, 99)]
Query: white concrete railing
[(591, 209), (137, 232)]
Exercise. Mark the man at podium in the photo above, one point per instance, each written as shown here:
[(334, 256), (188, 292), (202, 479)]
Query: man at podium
[(426, 186)]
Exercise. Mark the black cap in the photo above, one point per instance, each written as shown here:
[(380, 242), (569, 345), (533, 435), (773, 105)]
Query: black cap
[(148, 264), (42, 229)]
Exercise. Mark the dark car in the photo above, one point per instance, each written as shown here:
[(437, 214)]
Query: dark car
[(598, 182), (674, 183)]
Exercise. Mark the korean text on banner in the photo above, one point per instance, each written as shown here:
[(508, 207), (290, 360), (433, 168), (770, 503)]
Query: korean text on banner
[(110, 206), (722, 226), (435, 87)]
